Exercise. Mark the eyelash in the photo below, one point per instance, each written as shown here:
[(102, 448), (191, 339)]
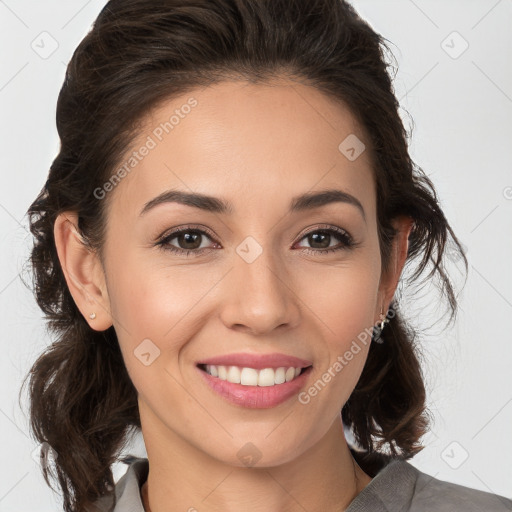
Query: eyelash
[(164, 242)]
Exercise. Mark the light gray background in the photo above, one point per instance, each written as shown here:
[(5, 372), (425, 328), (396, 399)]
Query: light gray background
[(461, 104)]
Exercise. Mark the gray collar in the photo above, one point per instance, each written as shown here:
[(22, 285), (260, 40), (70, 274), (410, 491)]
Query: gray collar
[(393, 485)]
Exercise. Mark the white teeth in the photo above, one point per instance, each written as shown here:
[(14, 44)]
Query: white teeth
[(280, 375), (221, 370), (266, 377), (233, 375), (253, 377), (249, 377), (290, 374)]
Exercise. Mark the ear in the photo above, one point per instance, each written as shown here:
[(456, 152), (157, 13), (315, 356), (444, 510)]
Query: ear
[(83, 272), (398, 256)]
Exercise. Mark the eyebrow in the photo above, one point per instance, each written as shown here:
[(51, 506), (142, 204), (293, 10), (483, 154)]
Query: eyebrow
[(304, 202)]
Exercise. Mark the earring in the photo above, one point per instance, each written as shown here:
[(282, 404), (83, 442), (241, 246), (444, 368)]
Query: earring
[(377, 330), (92, 316)]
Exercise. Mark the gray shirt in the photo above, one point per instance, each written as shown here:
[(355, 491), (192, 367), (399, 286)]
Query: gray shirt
[(398, 487)]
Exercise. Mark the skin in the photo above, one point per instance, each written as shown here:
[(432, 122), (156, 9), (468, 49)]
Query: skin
[(256, 146)]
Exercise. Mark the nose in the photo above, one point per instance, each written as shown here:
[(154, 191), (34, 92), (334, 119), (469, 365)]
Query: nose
[(260, 295)]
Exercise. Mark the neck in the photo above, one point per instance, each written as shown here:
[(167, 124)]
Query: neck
[(360, 481), (182, 477)]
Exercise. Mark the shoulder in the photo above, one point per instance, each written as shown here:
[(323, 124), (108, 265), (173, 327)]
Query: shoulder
[(433, 494), (400, 487), (126, 496)]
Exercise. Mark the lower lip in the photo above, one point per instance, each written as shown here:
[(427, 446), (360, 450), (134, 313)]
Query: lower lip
[(256, 397)]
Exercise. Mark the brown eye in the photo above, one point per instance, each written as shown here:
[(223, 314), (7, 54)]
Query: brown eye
[(320, 240), (187, 241)]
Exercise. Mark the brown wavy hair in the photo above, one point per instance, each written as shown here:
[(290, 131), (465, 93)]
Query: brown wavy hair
[(138, 54)]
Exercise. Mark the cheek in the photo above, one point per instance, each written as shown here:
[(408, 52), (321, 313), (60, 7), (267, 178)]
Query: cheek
[(150, 319), (161, 303), (150, 294), (152, 304), (346, 301), (343, 297), (343, 301)]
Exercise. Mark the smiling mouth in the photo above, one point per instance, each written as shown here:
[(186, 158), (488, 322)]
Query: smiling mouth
[(247, 376)]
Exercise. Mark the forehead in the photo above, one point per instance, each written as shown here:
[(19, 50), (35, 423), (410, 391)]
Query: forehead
[(245, 142)]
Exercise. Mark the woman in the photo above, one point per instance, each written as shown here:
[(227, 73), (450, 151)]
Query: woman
[(218, 247)]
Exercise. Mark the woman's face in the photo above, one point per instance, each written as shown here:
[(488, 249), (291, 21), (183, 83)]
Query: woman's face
[(258, 277)]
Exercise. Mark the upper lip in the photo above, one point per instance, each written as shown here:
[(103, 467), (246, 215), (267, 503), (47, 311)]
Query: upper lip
[(257, 361)]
